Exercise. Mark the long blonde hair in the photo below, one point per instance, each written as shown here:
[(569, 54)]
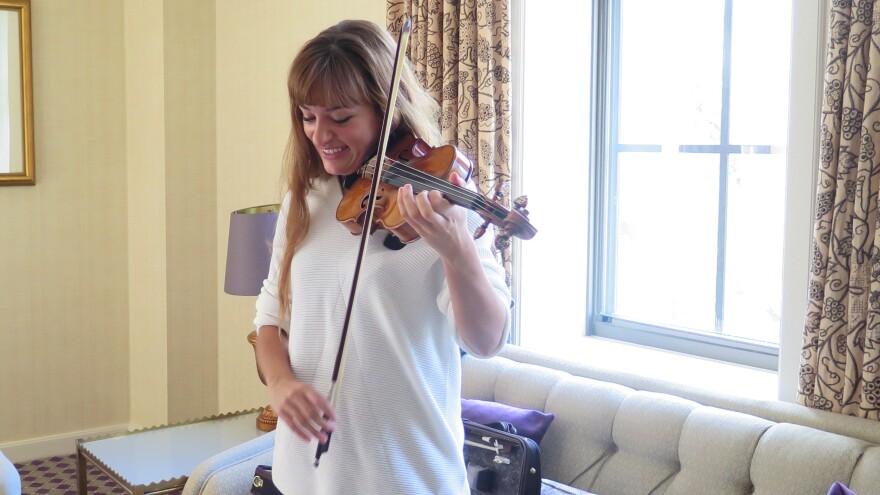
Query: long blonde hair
[(347, 64)]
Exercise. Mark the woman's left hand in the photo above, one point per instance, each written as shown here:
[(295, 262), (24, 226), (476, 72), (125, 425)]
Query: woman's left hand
[(442, 224)]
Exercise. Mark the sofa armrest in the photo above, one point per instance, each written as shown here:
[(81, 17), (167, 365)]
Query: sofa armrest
[(10, 481), (231, 471)]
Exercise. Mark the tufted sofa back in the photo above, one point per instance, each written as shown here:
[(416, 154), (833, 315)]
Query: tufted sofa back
[(613, 439)]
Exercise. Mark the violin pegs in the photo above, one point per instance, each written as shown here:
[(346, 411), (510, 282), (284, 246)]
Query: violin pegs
[(520, 203), (481, 230), (502, 242)]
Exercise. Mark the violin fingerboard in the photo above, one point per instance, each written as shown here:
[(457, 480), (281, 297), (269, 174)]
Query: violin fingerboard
[(399, 176)]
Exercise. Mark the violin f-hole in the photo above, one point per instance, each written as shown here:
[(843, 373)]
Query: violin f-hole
[(379, 197)]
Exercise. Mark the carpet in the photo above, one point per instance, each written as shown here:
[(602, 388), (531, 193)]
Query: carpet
[(57, 476)]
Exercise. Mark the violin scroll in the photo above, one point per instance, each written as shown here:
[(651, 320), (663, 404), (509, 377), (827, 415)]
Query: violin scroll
[(514, 224)]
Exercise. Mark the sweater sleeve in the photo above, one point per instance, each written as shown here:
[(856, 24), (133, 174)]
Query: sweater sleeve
[(267, 305), (495, 273)]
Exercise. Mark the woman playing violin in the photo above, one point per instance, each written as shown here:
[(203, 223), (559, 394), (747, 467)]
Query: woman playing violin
[(396, 427)]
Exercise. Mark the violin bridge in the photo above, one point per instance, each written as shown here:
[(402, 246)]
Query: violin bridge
[(368, 168)]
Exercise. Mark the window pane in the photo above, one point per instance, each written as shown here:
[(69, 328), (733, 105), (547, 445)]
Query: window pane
[(753, 281), (670, 71), (665, 252), (555, 171), (759, 72)]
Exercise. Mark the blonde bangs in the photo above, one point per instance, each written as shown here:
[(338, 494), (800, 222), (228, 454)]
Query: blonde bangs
[(330, 81)]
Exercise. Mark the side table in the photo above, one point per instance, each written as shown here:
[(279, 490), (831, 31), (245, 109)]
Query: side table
[(159, 460)]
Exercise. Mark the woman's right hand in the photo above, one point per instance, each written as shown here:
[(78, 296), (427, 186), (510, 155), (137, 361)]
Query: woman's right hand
[(307, 413)]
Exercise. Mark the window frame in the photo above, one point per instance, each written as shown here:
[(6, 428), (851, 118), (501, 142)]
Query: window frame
[(606, 29), (809, 26)]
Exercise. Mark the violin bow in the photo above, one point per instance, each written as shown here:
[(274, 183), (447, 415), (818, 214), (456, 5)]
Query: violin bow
[(339, 365)]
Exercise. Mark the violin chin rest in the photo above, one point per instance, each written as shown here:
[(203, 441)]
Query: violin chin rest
[(393, 242)]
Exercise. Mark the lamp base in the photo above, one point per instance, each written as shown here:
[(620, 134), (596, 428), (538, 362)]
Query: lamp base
[(267, 420)]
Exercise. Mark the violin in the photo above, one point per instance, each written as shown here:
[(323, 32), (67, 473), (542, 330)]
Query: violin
[(410, 160)]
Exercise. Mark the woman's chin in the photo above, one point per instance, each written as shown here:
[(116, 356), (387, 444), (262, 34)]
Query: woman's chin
[(339, 169)]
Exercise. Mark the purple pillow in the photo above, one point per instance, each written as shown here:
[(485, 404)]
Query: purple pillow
[(839, 488), (528, 422)]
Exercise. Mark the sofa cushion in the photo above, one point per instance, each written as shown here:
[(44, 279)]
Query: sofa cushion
[(796, 459), (646, 432), (580, 440), (712, 456), (529, 423), (479, 375), (526, 385), (866, 477)]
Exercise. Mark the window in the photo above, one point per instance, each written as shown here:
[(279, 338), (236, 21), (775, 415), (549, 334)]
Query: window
[(659, 192)]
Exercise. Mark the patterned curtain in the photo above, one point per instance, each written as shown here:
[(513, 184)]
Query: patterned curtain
[(460, 50), (840, 358)]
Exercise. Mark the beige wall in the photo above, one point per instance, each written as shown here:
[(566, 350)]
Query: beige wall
[(63, 259), (191, 197), (153, 121), (147, 260)]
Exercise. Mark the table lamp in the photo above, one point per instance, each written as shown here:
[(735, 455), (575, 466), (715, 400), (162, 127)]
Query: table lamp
[(251, 232)]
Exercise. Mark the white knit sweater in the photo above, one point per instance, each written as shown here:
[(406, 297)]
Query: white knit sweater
[(399, 428)]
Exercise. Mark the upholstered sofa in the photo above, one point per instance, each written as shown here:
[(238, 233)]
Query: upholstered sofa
[(10, 481), (616, 434)]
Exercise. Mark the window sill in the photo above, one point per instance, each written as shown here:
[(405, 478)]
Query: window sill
[(709, 374)]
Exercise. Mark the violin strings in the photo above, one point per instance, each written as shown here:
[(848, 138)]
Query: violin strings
[(464, 196), (418, 177), (428, 180)]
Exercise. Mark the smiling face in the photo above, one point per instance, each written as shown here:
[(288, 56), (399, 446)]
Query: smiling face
[(343, 136)]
